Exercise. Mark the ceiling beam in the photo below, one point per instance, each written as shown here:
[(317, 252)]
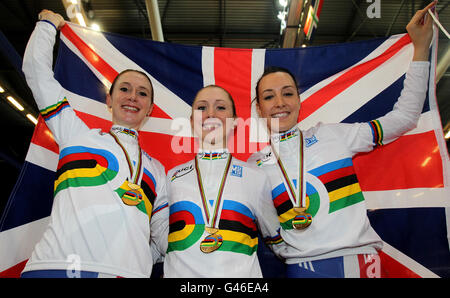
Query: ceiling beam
[(154, 19), (293, 35), (75, 12)]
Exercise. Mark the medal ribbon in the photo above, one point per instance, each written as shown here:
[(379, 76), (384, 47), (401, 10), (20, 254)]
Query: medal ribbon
[(129, 162), (212, 221), (298, 198)]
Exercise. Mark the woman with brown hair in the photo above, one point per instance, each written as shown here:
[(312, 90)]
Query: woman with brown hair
[(109, 216)]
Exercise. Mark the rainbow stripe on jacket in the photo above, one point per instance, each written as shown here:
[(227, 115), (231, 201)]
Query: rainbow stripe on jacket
[(237, 226), (53, 110)]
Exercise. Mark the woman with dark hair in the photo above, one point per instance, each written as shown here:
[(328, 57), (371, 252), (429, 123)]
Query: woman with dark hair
[(217, 203), (109, 215), (320, 205)]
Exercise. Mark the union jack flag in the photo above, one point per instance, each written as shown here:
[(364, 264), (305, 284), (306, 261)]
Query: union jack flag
[(405, 183)]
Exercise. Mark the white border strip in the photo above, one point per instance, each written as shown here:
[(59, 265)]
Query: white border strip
[(407, 198), (208, 66), (258, 128), (20, 242), (375, 53), (435, 112), (424, 124), (362, 91), (42, 157)]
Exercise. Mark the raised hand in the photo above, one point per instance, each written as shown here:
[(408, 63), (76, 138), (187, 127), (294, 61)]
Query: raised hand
[(54, 18), (420, 30)]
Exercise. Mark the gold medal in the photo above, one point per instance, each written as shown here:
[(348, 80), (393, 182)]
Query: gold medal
[(132, 197), (133, 186), (299, 210), (301, 221), (134, 192), (211, 231), (211, 243)]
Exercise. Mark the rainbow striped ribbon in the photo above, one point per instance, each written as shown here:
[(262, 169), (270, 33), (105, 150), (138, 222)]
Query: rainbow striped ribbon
[(298, 200), (137, 173), (212, 221)]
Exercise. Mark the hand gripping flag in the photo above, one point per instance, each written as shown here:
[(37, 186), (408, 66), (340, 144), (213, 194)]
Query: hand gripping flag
[(405, 183)]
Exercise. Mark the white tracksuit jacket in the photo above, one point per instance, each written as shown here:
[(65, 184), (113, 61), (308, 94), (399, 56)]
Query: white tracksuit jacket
[(340, 225), (89, 222), (246, 207)]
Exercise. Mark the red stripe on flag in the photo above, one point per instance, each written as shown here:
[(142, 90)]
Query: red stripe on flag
[(233, 71), (412, 161), (324, 95), (370, 266), (159, 113), (91, 56), (383, 266), (14, 271), (94, 122), (99, 64), (43, 137), (169, 150), (393, 269)]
